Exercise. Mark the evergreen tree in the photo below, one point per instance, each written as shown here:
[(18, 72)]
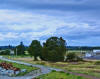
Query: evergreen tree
[(54, 49), (20, 49), (35, 49)]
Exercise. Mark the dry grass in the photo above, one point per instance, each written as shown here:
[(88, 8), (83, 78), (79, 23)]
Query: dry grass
[(87, 67)]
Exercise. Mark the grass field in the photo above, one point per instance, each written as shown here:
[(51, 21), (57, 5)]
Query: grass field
[(79, 52), (60, 75), (88, 67), (21, 66)]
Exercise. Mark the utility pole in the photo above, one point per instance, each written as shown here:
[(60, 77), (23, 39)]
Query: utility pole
[(16, 51)]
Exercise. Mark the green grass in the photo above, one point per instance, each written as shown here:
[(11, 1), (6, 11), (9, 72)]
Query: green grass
[(78, 51), (14, 56), (91, 68), (60, 75), (21, 66), (88, 67)]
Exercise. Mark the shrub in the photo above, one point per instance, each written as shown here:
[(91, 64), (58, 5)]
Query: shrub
[(97, 63), (79, 77), (41, 63), (67, 73), (79, 58), (53, 70), (61, 71), (5, 52), (73, 57)]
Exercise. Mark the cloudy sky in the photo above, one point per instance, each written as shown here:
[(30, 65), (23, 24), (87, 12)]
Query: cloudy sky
[(77, 21)]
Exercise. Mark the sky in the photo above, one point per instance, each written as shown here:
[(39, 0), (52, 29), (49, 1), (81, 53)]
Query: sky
[(77, 21)]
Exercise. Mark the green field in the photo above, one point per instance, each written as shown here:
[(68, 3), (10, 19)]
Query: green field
[(86, 67), (60, 75)]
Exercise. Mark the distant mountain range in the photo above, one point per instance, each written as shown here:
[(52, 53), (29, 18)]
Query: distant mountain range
[(82, 47), (68, 47), (6, 47)]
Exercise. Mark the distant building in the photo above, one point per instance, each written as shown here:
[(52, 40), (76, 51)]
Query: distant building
[(93, 53), (88, 55), (96, 52), (11, 52)]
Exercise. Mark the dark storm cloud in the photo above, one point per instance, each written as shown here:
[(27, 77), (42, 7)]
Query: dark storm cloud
[(50, 4)]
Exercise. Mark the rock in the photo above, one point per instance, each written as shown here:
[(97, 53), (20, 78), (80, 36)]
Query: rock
[(1, 68), (17, 72), (10, 72), (1, 56), (23, 70)]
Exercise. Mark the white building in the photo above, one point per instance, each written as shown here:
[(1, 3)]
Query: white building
[(11, 52), (93, 53), (88, 55), (96, 52)]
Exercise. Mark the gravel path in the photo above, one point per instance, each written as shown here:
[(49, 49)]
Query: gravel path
[(44, 70)]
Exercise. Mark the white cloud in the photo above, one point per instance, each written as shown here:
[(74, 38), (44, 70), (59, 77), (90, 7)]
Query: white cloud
[(9, 35)]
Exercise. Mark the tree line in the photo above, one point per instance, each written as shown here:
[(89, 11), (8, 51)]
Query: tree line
[(54, 49)]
